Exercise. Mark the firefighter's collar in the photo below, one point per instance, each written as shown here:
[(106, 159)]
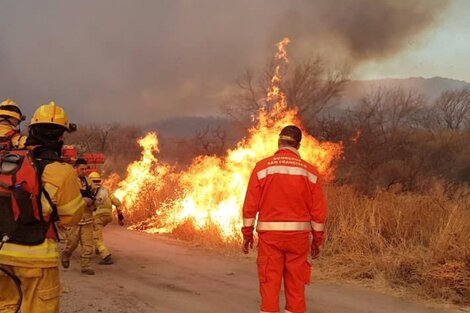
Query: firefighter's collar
[(292, 149)]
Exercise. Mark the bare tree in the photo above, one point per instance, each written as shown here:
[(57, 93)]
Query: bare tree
[(100, 137), (389, 109), (211, 140), (381, 154), (85, 139), (452, 108), (118, 142), (247, 100), (103, 135), (309, 86)]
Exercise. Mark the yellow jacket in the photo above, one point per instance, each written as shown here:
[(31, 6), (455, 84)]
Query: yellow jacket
[(60, 181), (87, 217), (17, 140), (105, 201)]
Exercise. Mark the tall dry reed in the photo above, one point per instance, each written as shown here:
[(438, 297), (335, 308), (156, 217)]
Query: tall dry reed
[(415, 242)]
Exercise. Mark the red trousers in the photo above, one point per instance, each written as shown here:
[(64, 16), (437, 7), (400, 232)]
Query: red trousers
[(283, 255)]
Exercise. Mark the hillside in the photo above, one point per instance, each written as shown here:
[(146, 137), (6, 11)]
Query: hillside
[(431, 88)]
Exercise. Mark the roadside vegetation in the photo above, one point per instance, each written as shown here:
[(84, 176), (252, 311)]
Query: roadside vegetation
[(414, 242), (399, 206)]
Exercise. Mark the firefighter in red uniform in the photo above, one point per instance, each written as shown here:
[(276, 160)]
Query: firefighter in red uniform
[(286, 193)]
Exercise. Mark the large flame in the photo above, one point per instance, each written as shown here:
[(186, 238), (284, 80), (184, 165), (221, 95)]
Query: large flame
[(211, 191), (143, 172)]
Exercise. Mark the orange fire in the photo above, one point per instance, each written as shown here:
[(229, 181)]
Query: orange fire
[(146, 171), (211, 191)]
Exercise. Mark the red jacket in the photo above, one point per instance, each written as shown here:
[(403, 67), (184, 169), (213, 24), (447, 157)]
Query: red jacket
[(286, 192)]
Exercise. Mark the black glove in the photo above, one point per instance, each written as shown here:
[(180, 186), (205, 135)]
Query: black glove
[(87, 193), (121, 219)]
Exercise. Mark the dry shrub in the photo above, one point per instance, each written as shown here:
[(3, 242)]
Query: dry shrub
[(208, 236), (151, 201), (420, 242), (150, 213)]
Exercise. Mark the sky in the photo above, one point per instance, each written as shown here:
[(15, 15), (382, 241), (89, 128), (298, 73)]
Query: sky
[(137, 62), (441, 51)]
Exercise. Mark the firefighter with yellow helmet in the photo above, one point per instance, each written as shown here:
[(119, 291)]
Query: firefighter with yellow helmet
[(82, 233), (36, 266), (103, 216), (10, 119)]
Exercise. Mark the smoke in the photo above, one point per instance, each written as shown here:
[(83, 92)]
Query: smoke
[(361, 30), (138, 62)]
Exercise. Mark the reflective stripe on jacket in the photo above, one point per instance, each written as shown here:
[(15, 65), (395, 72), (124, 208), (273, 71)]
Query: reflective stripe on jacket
[(60, 181), (286, 193)]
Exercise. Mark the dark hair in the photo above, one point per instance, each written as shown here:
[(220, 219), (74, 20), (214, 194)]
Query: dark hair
[(291, 135), (80, 161)]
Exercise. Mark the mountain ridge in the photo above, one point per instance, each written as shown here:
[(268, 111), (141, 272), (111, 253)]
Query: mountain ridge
[(431, 88)]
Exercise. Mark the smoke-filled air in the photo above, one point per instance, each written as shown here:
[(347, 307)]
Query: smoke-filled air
[(211, 190), (235, 156)]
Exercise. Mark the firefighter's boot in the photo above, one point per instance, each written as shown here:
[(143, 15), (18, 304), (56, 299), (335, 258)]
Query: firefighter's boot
[(88, 271), (65, 260), (107, 260)]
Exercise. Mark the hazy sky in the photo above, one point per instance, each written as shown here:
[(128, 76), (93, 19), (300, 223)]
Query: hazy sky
[(441, 51), (146, 60)]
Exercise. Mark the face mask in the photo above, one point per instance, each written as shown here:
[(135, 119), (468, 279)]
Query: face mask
[(14, 124)]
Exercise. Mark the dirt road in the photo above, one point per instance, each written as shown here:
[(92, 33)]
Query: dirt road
[(153, 274)]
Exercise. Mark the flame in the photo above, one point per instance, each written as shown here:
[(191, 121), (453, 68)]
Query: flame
[(138, 172), (211, 191), (274, 93)]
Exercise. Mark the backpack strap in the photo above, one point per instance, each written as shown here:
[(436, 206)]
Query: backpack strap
[(54, 215), (41, 165), (11, 133), (7, 138)]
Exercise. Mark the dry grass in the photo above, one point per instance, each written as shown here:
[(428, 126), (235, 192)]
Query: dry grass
[(208, 237), (149, 203), (420, 243)]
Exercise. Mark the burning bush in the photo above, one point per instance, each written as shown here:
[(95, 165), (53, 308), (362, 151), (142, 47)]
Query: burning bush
[(416, 241), (210, 192)]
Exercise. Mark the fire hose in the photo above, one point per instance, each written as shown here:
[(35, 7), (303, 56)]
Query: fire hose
[(13, 277)]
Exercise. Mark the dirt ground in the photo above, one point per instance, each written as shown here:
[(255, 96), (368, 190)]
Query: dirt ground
[(155, 274)]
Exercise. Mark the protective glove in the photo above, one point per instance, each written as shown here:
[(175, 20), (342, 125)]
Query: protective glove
[(87, 193), (248, 240), (317, 241), (120, 219)]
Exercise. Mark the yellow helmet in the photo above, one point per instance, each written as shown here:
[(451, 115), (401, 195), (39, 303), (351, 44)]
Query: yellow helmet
[(95, 177), (8, 108), (51, 113)]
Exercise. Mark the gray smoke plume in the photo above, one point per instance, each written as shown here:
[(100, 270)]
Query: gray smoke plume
[(142, 61), (359, 30)]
